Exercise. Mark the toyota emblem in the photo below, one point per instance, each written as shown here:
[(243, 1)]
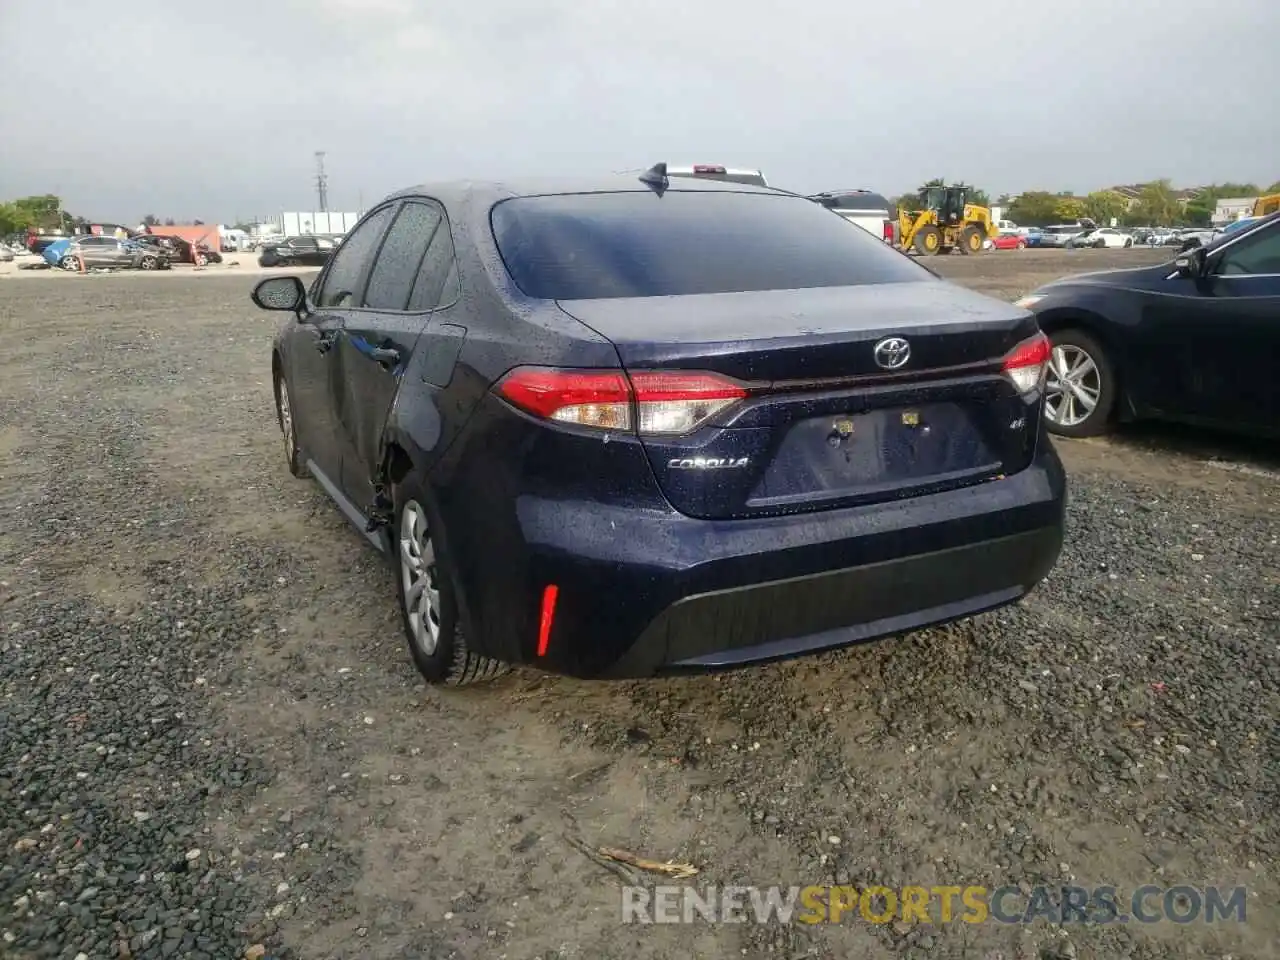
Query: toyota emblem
[(892, 353)]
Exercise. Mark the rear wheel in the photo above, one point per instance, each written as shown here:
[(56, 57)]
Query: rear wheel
[(148, 263), (428, 597), (1081, 388), (1022, 245), (971, 240), (928, 241), (69, 262)]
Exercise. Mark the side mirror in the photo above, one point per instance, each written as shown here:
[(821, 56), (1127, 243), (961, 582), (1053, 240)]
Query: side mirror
[(280, 293), (1191, 264)]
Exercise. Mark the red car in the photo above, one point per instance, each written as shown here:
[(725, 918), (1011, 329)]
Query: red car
[(1010, 241)]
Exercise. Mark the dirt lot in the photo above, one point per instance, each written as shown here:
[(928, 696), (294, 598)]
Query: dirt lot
[(211, 736)]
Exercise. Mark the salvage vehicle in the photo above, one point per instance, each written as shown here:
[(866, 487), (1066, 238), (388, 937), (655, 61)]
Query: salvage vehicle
[(863, 208), (1192, 340), (179, 250), (97, 251), (641, 426)]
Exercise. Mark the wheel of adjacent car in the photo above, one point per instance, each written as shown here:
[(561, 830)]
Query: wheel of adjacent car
[(1128, 243), (1080, 391), (148, 263), (69, 262), (288, 427), (1021, 245), (425, 584), (201, 260)]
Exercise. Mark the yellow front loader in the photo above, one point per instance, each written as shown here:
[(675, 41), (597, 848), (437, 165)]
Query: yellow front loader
[(945, 223), (1266, 205)]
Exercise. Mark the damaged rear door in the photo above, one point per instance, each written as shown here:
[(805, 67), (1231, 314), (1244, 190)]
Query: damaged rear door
[(404, 286)]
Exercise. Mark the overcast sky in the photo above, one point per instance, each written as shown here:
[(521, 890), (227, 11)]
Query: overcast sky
[(215, 109)]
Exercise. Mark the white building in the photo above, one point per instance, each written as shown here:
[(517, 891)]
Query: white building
[(297, 224), (1233, 208)]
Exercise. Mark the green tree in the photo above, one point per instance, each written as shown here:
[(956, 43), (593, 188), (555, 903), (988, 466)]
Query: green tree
[(1069, 208), (1157, 206), (1102, 205), (1035, 208), (151, 220), (1274, 188)]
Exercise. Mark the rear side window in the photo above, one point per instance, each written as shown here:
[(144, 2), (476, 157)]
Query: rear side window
[(437, 266), (640, 244), (396, 268)]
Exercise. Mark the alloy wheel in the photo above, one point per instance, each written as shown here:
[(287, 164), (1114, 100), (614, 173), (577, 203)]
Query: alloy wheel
[(286, 419), (1073, 388), (419, 578)]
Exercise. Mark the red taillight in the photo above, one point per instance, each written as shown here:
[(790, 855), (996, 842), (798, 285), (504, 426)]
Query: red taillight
[(888, 231), (1025, 364), (547, 617), (650, 402)]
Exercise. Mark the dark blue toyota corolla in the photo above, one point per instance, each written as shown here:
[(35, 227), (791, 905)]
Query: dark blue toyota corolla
[(641, 426)]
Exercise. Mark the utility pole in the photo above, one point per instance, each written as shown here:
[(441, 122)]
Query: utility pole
[(322, 183)]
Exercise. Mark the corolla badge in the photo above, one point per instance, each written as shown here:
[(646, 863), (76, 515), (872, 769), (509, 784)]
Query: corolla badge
[(707, 463), (892, 353)]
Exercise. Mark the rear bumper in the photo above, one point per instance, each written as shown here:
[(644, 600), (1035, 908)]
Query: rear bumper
[(645, 592)]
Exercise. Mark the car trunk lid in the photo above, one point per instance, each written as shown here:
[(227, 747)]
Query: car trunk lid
[(823, 422)]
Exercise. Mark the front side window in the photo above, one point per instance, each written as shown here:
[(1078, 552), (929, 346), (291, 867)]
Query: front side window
[(1255, 254), (348, 265)]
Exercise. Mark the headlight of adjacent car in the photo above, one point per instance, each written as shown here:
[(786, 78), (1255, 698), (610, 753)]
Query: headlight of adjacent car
[(1029, 301)]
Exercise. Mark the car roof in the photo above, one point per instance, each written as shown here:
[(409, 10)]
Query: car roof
[(489, 192)]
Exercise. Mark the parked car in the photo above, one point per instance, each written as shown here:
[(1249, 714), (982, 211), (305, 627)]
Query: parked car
[(636, 426), (1189, 239), (297, 251), (1009, 241), (1102, 237), (1056, 235), (96, 251), (863, 208), (6, 255), (1194, 340), (715, 171), (1240, 224), (180, 250)]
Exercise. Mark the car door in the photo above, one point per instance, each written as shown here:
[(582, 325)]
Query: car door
[(93, 251), (380, 338), (1221, 335), (313, 345)]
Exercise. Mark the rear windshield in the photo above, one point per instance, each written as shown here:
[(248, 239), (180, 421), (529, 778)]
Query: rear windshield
[(640, 244)]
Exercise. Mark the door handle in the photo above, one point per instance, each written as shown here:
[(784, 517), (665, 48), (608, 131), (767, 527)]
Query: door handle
[(385, 356)]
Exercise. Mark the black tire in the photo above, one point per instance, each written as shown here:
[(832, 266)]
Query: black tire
[(1128, 244), (148, 263), (971, 240), (290, 434), (927, 241), (1099, 420), (451, 662)]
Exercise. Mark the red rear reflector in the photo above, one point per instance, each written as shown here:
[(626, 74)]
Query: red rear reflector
[(549, 595), (665, 402), (1026, 363), (707, 168), (888, 231)]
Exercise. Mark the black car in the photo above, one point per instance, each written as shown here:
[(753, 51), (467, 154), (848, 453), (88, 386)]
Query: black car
[(639, 426), (1196, 339), (298, 252)]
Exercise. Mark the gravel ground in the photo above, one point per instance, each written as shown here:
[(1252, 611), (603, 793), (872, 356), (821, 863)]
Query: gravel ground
[(213, 742)]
